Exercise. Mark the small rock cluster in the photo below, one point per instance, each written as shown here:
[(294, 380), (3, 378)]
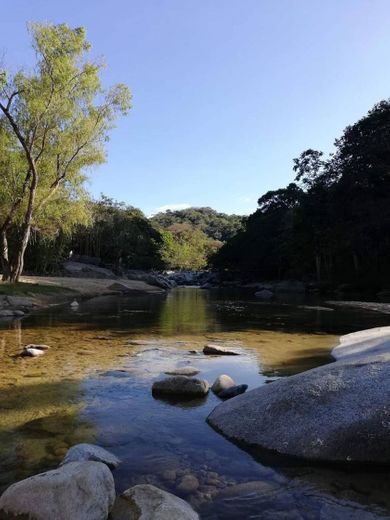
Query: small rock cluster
[(82, 488), (15, 306)]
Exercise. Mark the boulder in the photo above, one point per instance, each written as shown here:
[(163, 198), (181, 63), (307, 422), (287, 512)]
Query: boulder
[(264, 294), (183, 371), (146, 502), (233, 391), (81, 270), (84, 451), (216, 350), (181, 386), (334, 413), (77, 491), (222, 382), (25, 302)]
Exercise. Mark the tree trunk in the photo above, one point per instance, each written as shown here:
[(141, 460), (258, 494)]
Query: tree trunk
[(4, 256)]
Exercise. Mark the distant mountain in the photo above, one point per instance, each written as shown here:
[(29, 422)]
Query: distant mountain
[(218, 226)]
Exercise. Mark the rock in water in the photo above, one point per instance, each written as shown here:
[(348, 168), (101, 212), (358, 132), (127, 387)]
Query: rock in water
[(77, 491), (183, 371), (84, 451), (338, 413), (222, 382), (217, 350), (181, 386), (32, 351), (148, 502), (74, 304), (233, 391)]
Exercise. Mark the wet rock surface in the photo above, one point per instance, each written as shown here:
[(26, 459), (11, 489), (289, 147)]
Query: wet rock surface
[(223, 382), (217, 350)]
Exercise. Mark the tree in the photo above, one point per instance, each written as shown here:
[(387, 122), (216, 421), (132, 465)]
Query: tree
[(54, 125)]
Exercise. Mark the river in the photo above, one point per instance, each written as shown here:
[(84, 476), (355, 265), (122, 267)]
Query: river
[(95, 386)]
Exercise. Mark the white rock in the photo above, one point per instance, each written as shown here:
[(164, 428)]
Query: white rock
[(146, 502), (363, 342), (74, 304), (222, 382), (32, 352), (84, 451), (76, 491)]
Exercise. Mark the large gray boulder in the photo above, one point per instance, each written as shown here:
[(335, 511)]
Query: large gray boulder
[(85, 451), (146, 502), (81, 270), (181, 386), (339, 413), (359, 344), (77, 491)]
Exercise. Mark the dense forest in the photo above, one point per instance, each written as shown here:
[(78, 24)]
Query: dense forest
[(332, 223)]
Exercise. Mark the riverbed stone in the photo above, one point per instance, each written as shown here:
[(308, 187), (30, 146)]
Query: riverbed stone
[(188, 484), (77, 491), (32, 351), (181, 386), (10, 313), (146, 502), (216, 350), (85, 451), (336, 413), (233, 391), (223, 382)]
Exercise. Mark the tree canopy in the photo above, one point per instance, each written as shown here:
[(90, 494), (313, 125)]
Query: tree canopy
[(54, 125), (332, 223)]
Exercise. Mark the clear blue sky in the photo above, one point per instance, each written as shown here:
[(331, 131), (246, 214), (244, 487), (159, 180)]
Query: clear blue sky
[(226, 92)]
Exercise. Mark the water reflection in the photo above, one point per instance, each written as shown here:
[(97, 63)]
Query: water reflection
[(94, 385)]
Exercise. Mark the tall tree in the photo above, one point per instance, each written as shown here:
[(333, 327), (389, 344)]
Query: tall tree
[(54, 124)]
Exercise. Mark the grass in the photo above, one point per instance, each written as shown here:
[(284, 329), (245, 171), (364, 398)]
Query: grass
[(30, 289)]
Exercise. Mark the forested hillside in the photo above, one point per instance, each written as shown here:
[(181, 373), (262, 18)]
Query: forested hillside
[(218, 226), (333, 222)]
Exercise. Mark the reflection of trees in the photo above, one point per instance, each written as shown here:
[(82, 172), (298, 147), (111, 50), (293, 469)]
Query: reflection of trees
[(187, 311)]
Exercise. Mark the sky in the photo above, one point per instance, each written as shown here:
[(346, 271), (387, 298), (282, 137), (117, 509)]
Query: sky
[(225, 92)]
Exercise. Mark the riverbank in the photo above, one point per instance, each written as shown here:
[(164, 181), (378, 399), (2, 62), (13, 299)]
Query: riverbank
[(35, 292)]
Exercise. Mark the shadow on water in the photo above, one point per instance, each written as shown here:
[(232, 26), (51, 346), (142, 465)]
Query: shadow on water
[(94, 385)]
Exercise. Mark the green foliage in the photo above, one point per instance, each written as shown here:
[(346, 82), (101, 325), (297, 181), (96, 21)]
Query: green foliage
[(54, 126), (187, 247), (217, 226), (333, 223)]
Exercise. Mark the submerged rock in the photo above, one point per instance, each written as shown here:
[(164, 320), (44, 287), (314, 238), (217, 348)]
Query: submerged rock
[(84, 451), (216, 350), (223, 382), (264, 294), (77, 491), (338, 413), (181, 386), (32, 352), (233, 391), (188, 484), (183, 371), (146, 502)]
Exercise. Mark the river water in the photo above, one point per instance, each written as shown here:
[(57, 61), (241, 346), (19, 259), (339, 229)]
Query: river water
[(95, 386)]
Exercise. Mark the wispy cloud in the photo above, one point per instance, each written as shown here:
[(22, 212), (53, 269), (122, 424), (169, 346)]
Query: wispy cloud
[(173, 207)]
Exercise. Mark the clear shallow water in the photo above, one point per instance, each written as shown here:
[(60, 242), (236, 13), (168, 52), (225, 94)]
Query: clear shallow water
[(93, 386)]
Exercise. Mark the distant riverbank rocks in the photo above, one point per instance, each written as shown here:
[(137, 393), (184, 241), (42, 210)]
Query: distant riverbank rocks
[(84, 452), (216, 350), (77, 491), (181, 386), (334, 413), (146, 502)]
